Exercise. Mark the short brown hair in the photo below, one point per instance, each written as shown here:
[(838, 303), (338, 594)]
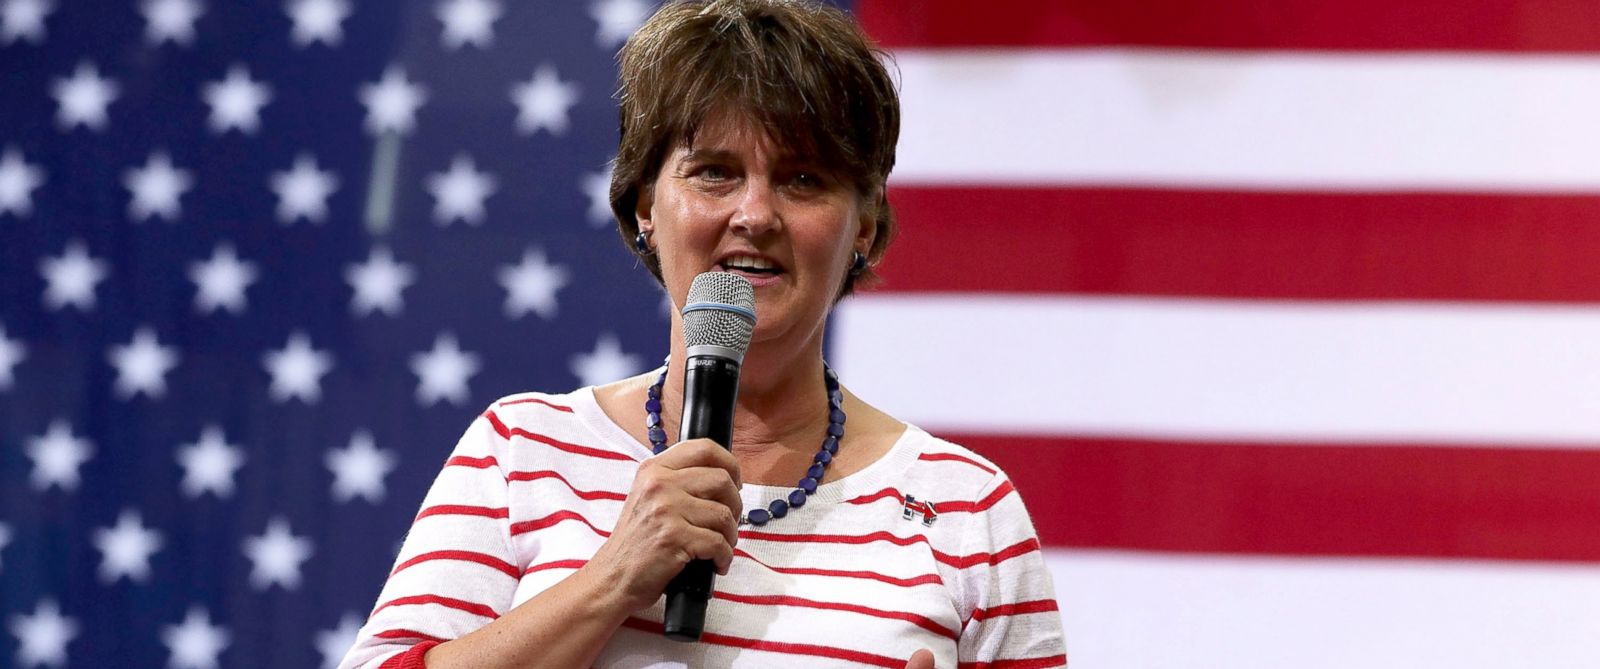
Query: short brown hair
[(803, 71)]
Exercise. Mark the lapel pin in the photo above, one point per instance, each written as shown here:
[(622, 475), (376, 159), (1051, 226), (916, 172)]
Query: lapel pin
[(911, 508)]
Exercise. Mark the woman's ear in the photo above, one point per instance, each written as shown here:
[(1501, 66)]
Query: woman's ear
[(867, 223), (642, 207)]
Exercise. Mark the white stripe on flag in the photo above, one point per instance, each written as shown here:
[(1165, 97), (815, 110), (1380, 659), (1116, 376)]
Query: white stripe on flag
[(1217, 369), (1142, 610), (1253, 120)]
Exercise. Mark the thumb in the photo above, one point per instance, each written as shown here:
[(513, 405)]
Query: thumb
[(922, 659)]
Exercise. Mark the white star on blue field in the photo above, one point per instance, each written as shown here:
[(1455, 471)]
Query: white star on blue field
[(263, 263)]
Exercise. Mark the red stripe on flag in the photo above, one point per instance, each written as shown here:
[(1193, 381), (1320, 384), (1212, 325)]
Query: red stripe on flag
[(831, 652), (1303, 499), (1378, 25), (1339, 246), (783, 600)]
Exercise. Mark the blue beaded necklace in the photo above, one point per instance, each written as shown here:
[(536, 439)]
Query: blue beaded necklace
[(808, 485)]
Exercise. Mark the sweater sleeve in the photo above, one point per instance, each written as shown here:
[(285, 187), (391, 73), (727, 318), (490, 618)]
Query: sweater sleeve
[(1012, 620), (456, 571)]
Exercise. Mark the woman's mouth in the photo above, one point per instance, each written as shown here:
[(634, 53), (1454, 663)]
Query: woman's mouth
[(759, 271)]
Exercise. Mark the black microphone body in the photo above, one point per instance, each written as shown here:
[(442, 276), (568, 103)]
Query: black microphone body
[(719, 319), (710, 387)]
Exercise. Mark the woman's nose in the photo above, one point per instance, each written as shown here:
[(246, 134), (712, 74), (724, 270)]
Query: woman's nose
[(757, 212)]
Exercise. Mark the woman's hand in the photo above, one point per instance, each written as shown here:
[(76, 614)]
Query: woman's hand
[(922, 659), (684, 505)]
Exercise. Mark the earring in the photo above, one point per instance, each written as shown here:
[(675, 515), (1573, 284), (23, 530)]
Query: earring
[(641, 243), (858, 265)]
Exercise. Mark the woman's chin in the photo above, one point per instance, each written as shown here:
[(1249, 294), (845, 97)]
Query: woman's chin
[(772, 331)]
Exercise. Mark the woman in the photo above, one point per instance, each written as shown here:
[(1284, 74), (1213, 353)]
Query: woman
[(756, 139)]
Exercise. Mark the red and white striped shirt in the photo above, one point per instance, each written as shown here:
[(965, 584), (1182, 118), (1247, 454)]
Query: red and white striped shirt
[(857, 577)]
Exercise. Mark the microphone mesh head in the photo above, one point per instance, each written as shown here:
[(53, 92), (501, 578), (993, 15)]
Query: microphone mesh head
[(721, 311)]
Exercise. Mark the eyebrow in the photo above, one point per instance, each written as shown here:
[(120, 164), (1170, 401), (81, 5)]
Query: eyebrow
[(708, 154), (790, 159)]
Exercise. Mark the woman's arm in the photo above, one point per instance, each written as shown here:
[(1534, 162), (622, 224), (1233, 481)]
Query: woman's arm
[(565, 626), (1013, 616), (684, 505), (449, 598)]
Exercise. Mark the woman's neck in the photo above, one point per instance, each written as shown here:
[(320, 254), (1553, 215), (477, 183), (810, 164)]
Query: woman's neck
[(781, 403)]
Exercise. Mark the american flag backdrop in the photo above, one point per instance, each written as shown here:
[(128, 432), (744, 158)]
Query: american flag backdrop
[(1278, 313), (262, 263)]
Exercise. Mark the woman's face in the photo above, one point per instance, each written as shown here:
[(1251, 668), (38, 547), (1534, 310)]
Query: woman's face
[(737, 202)]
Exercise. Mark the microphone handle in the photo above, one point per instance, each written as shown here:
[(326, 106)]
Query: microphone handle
[(710, 386)]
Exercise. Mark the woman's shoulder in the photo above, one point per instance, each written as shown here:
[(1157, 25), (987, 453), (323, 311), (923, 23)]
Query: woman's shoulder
[(941, 474), (560, 402), (928, 465), (535, 403), (985, 508), (571, 422), (541, 411), (949, 461)]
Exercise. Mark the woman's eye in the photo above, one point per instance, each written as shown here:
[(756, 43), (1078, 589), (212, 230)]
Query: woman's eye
[(712, 173), (808, 180)]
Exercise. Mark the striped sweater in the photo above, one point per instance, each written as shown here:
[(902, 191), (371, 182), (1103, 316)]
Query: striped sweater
[(858, 577)]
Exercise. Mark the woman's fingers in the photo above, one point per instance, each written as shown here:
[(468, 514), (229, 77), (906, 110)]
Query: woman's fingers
[(703, 543), (699, 453), (683, 505), (690, 484), (715, 516), (701, 468), (922, 659), (709, 483)]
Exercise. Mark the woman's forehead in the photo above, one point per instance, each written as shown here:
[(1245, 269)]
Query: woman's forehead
[(731, 135)]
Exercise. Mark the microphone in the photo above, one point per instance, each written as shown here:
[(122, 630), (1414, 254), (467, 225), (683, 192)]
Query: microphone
[(718, 321)]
